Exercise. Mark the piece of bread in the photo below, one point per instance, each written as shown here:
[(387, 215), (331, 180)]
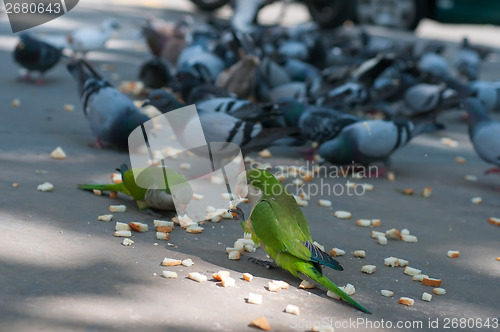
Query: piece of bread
[(171, 262), (164, 229), (121, 226), (393, 234), (254, 298), (138, 227), (439, 291), (187, 262), (247, 277), (325, 202), (431, 282), (261, 323), (494, 221), (337, 252), (272, 287), (343, 214), (409, 238), (375, 234), (412, 271), (307, 285), (364, 222), (228, 282), (387, 293), (234, 255), (46, 186), (476, 200), (382, 240), (426, 297), (58, 153), (163, 223), (369, 269), (221, 275), (169, 274), (406, 301), (123, 233), (360, 253), (292, 309), (127, 242), (196, 276), (453, 253), (195, 229), (97, 192), (419, 277), (105, 217), (376, 223), (349, 289), (117, 208), (162, 236), (281, 284), (391, 261)]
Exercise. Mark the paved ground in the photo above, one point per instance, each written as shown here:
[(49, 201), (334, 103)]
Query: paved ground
[(62, 270)]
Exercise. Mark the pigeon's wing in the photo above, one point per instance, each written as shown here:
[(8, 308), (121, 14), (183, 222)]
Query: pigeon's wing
[(378, 138), (486, 140), (323, 124)]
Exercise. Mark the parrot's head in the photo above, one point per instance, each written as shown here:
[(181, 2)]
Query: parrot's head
[(255, 184)]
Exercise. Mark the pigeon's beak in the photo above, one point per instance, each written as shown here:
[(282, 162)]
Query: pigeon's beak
[(146, 102), (237, 213)]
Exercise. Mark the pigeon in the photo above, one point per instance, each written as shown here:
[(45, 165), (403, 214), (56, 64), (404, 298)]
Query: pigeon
[(430, 98), (241, 109), (88, 39), (207, 91), (484, 133), (155, 73), (167, 40), (435, 67), (367, 142), (112, 115), (240, 77), (488, 92), (468, 61), (36, 55), (220, 127)]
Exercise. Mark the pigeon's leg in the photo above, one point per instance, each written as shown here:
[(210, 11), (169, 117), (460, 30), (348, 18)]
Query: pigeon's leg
[(266, 264), (26, 77), (40, 81), (493, 170), (307, 153), (97, 144)]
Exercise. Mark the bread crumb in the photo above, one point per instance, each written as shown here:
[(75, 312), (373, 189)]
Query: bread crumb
[(307, 285), (281, 284), (272, 287), (196, 276), (453, 253), (69, 108), (121, 226), (376, 222), (419, 277), (228, 282), (343, 214), (382, 240), (292, 309), (234, 255), (409, 238), (138, 227), (391, 261), (187, 262), (411, 271), (476, 200), (198, 197), (427, 192), (387, 293), (169, 274), (254, 298), (105, 217), (46, 186), (171, 262), (319, 246), (123, 233), (58, 153), (426, 297), (265, 153), (391, 176), (470, 178), (127, 242), (375, 234), (337, 252), (247, 277), (261, 323), (195, 229), (431, 282), (163, 223), (406, 301), (325, 202), (15, 103), (494, 221), (117, 208), (360, 253), (393, 234), (162, 236), (439, 291), (369, 269), (364, 222)]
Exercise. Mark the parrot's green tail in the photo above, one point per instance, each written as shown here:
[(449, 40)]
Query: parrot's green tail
[(105, 187), (317, 276)]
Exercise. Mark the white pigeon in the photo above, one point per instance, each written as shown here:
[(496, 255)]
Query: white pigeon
[(88, 39)]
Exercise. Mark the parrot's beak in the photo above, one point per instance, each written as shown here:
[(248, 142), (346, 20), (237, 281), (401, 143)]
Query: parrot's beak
[(237, 213), (146, 102)]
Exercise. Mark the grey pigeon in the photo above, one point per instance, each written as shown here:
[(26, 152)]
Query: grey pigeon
[(36, 55), (112, 115), (488, 92), (484, 133), (88, 39), (155, 73), (367, 142), (468, 61), (426, 98)]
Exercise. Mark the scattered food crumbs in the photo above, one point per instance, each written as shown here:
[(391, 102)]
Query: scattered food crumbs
[(261, 323), (163, 223), (337, 252), (187, 262), (360, 253), (221, 275), (471, 178), (127, 242), (406, 301), (169, 274), (123, 233), (195, 229), (387, 293), (419, 277), (15, 184), (460, 160), (494, 221), (426, 192), (265, 153), (393, 234), (426, 297), (364, 222), (405, 231), (431, 282), (325, 202), (254, 298), (409, 238), (234, 255), (376, 222), (343, 214), (391, 261), (69, 108), (171, 262), (298, 182), (117, 208), (196, 276), (272, 287), (369, 269), (46, 186), (105, 217), (138, 227), (375, 234), (411, 271), (439, 291), (228, 282), (307, 285), (281, 284), (391, 176), (367, 186), (58, 153), (453, 253), (164, 229), (15, 103), (121, 226), (382, 240), (198, 197), (247, 277), (449, 142), (476, 200), (292, 309), (97, 192)]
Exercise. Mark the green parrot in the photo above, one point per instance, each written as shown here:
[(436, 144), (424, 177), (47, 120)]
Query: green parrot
[(277, 223), (148, 195)]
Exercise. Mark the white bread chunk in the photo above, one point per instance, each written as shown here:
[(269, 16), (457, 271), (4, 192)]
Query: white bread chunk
[(196, 276), (254, 298), (292, 309), (387, 293), (412, 271), (123, 233), (360, 253), (105, 217), (406, 301), (368, 269), (169, 274), (117, 208), (426, 297)]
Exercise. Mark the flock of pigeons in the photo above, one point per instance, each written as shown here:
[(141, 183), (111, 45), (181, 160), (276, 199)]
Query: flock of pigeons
[(344, 94)]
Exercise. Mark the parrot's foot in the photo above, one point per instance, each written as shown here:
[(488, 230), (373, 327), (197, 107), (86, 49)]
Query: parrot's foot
[(266, 264), (493, 170)]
